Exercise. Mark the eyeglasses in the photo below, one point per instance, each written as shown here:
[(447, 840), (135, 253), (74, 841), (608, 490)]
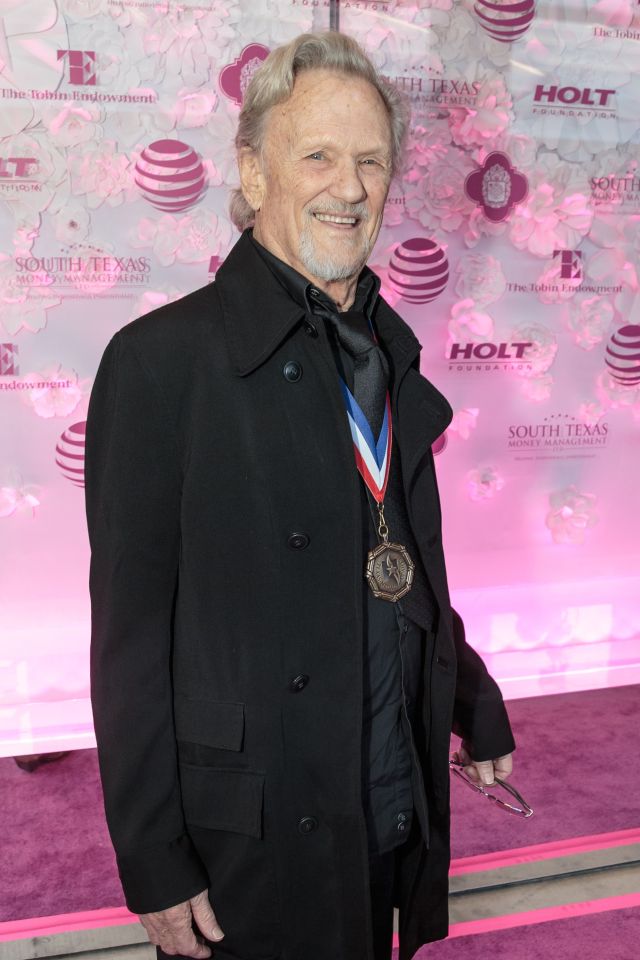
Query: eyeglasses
[(500, 787)]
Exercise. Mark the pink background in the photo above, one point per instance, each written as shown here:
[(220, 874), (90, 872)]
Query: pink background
[(541, 537)]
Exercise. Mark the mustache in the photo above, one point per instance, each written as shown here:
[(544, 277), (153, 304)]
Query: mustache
[(359, 210)]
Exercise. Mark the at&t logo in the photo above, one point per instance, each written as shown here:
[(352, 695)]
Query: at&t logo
[(70, 453), (418, 270), (622, 356), (505, 20), (9, 366), (81, 67), (171, 175)]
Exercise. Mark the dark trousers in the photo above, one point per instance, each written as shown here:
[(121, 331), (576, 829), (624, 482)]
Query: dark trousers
[(381, 876)]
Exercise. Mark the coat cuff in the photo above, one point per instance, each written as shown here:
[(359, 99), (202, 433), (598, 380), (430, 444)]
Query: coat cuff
[(162, 876), (485, 729)]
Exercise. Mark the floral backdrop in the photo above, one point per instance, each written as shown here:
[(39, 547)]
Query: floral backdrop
[(511, 246)]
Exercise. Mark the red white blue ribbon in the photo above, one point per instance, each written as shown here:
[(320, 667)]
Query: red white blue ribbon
[(373, 458)]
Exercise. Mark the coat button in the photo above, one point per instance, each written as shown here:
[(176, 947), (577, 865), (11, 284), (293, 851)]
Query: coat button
[(307, 825), (298, 683), (298, 541), (310, 330), (292, 371)]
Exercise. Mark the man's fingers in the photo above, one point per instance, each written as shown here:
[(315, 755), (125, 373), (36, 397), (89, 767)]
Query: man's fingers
[(181, 942), (482, 770), (503, 766), (485, 771), (172, 931), (205, 918)]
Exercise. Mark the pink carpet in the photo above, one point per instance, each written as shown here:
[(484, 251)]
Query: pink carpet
[(57, 857), (613, 935)]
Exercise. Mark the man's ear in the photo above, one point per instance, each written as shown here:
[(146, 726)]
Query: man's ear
[(252, 178)]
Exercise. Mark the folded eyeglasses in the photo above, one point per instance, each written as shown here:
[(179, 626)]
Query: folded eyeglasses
[(502, 793)]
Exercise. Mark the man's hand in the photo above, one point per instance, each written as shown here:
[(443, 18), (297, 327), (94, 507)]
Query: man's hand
[(485, 771), (172, 929)]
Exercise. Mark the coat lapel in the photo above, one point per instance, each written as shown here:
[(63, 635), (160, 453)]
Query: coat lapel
[(421, 414), (258, 311)]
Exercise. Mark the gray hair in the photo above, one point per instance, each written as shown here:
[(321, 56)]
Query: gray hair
[(273, 83)]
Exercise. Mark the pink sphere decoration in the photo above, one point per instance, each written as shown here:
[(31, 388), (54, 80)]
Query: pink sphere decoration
[(418, 270), (622, 356), (505, 21), (70, 453), (171, 175)]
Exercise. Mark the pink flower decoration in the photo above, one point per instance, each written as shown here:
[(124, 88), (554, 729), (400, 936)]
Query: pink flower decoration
[(557, 212), (589, 321), (53, 392), (73, 125), (480, 278), (570, 514), (437, 199), (15, 497), (102, 175), (538, 388), (617, 13), (464, 422), (467, 323), (483, 123), (590, 413), (194, 107), (542, 352), (483, 483)]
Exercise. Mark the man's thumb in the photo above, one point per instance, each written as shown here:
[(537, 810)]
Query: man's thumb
[(205, 918)]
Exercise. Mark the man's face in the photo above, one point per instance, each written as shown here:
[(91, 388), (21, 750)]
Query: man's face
[(325, 173)]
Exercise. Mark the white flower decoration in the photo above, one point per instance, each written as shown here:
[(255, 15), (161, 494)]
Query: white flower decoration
[(53, 392), (468, 324), (571, 513), (480, 278), (483, 483), (464, 422), (589, 321)]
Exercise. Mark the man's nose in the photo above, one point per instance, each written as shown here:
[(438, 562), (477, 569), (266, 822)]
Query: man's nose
[(347, 183)]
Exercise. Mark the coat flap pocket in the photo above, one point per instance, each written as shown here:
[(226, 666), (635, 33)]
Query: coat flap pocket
[(214, 723), (220, 799)]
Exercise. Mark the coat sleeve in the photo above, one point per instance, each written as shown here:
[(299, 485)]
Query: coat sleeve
[(132, 487), (479, 713)]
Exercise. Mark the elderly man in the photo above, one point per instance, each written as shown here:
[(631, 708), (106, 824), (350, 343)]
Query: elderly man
[(276, 667)]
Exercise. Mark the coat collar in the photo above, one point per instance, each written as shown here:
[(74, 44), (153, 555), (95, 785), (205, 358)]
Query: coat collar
[(259, 313)]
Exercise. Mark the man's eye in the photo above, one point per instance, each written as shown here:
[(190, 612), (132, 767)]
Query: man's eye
[(316, 156)]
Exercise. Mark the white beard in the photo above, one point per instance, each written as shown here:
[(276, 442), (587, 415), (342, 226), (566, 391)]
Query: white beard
[(331, 267)]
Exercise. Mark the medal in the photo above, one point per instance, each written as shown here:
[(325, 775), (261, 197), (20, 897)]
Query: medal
[(389, 568)]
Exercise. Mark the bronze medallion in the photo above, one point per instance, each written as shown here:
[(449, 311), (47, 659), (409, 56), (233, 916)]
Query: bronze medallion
[(389, 571)]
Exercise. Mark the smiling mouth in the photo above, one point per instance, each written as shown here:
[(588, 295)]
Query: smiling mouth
[(334, 218)]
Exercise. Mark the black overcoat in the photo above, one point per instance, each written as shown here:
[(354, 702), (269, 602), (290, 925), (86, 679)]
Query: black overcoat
[(216, 436)]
